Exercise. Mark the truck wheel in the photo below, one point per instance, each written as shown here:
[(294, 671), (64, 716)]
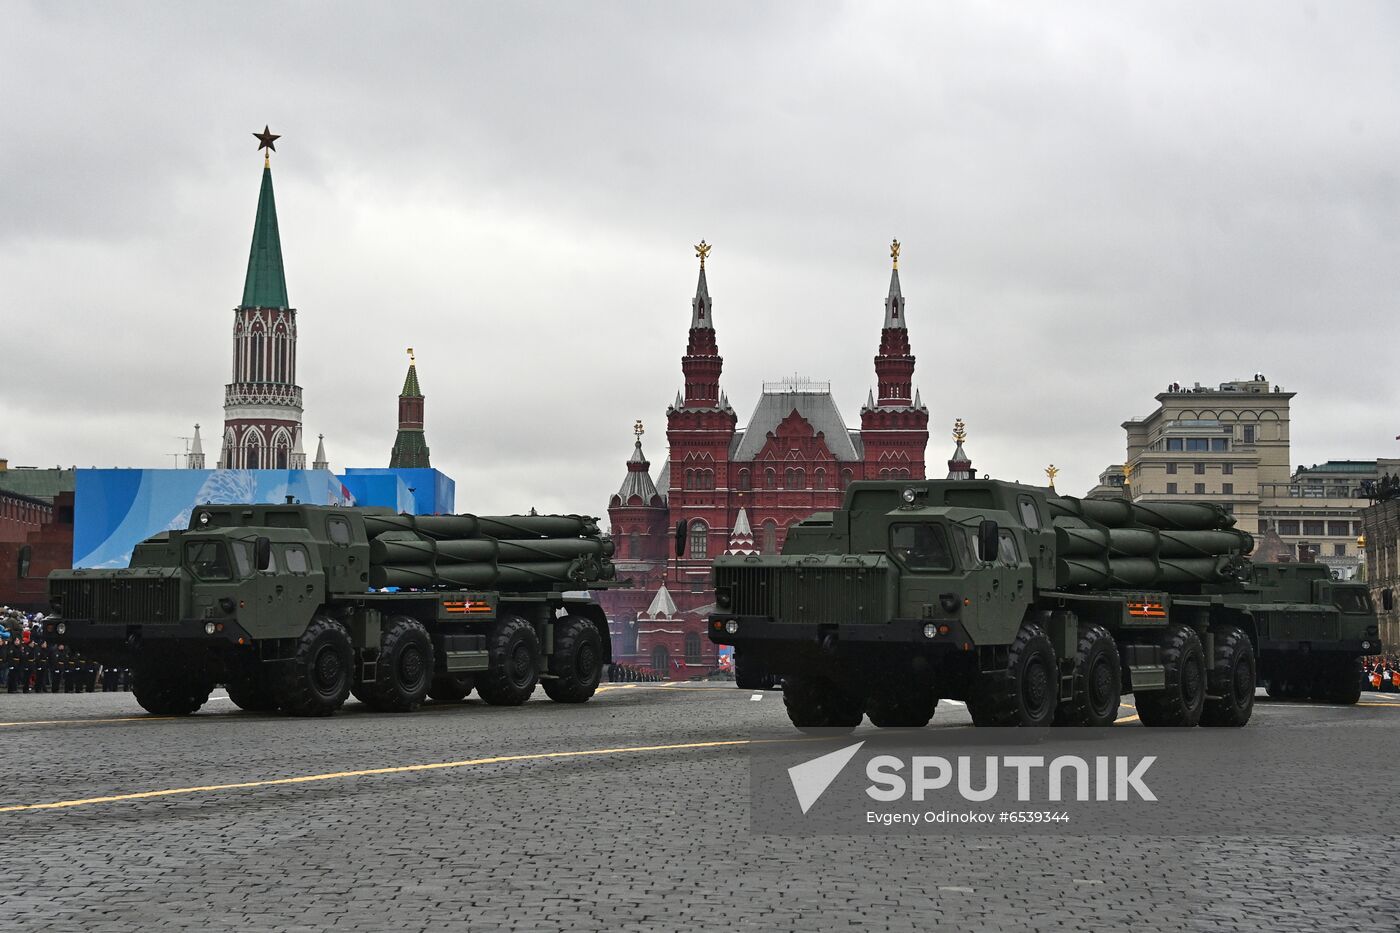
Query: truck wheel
[(167, 688), (1343, 679), (1025, 693), (1274, 688), (252, 691), (816, 703), (1098, 682), (404, 670), (577, 662), (911, 708), (1183, 699), (514, 656), (1232, 678), (450, 688), (316, 680), (749, 675)]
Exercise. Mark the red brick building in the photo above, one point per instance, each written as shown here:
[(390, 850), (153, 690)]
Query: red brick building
[(25, 563), (741, 489)]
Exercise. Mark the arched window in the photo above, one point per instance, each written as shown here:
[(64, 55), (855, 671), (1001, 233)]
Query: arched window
[(24, 557), (699, 540), (692, 648), (634, 545), (845, 478), (770, 479), (770, 537), (660, 660), (820, 478), (743, 479), (1387, 600), (799, 479)]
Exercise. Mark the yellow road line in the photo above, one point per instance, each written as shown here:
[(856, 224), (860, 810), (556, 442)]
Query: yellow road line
[(66, 722), (369, 772)]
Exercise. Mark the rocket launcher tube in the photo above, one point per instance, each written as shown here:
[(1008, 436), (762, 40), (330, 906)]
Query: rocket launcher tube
[(399, 547), (511, 527)]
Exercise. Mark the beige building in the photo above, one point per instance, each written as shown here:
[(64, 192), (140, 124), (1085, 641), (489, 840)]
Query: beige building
[(1382, 527), (1230, 445)]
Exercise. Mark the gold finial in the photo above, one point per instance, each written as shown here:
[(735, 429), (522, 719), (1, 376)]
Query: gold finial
[(959, 431), (1127, 472), (638, 430), (702, 249), (894, 252), (1361, 541), (1052, 471), (412, 361)]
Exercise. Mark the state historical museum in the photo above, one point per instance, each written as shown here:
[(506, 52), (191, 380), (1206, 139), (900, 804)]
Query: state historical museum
[(741, 489)]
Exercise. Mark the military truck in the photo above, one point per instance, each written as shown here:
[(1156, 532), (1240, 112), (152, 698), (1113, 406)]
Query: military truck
[(1032, 608), (294, 607)]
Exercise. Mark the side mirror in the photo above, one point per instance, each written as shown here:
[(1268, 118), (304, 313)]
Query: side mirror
[(682, 532), (988, 540), (262, 553)]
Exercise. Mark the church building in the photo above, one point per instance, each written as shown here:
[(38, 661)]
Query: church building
[(740, 489)]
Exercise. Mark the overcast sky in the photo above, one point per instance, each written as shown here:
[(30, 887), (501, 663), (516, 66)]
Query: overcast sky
[(1094, 200)]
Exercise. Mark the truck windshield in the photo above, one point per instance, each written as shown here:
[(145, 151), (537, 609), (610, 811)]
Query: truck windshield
[(208, 560), (1351, 600), (921, 547)]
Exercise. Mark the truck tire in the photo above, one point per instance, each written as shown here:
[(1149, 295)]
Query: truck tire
[(514, 655), (748, 675), (164, 688), (1232, 678), (911, 708), (404, 669), (577, 661), (316, 680), (1184, 698), (816, 703), (1343, 680), (1025, 693), (252, 691), (1097, 680), (451, 688)]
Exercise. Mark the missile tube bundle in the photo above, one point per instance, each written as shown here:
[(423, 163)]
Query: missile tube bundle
[(1117, 543), (509, 552)]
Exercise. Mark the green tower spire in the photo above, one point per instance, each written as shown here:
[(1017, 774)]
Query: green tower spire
[(266, 284)]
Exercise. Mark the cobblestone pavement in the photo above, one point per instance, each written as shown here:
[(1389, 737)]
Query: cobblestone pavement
[(653, 839)]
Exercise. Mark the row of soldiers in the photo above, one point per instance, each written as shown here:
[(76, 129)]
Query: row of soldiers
[(43, 668)]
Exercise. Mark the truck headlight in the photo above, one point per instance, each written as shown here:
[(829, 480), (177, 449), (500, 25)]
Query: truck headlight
[(62, 628), (209, 628), (908, 495), (732, 627), (930, 630)]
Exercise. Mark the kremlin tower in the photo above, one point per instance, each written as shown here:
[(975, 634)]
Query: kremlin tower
[(262, 403), (411, 446)]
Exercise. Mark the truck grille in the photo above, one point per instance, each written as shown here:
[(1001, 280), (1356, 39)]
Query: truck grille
[(852, 594), (119, 600)]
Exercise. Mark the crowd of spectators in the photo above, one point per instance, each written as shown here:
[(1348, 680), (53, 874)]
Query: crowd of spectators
[(30, 663)]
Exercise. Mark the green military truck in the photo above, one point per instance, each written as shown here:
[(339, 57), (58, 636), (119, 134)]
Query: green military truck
[(1033, 609), (294, 607)]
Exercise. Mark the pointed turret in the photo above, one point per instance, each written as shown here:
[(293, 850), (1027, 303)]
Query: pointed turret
[(960, 464), (265, 285), (741, 537), (411, 446), (195, 459), (662, 605), (894, 302), (298, 458), (700, 305), (894, 421), (638, 480), (702, 363), (321, 463)]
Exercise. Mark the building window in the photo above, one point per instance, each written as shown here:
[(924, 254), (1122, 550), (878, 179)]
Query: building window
[(1249, 434), (770, 537), (1286, 527), (1339, 529), (634, 544), (25, 556), (692, 648), (1200, 469), (795, 479), (1171, 468), (1219, 444), (660, 660), (1171, 489), (743, 479), (1312, 528), (699, 541), (1227, 489), (1174, 443), (1339, 550), (1198, 443), (770, 479), (1263, 525), (1200, 489), (1387, 600), (1228, 469), (820, 478)]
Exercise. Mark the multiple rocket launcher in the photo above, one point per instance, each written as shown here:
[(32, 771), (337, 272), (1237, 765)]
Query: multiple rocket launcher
[(1117, 543), (522, 552)]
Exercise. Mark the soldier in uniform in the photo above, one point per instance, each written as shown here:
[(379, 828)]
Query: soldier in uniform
[(25, 665), (13, 658), (60, 667), (43, 674), (90, 675), (70, 671)]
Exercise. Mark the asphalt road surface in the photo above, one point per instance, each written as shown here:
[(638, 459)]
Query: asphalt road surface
[(627, 813)]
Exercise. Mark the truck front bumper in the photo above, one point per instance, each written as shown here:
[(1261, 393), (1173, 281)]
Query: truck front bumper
[(80, 632), (764, 631)]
